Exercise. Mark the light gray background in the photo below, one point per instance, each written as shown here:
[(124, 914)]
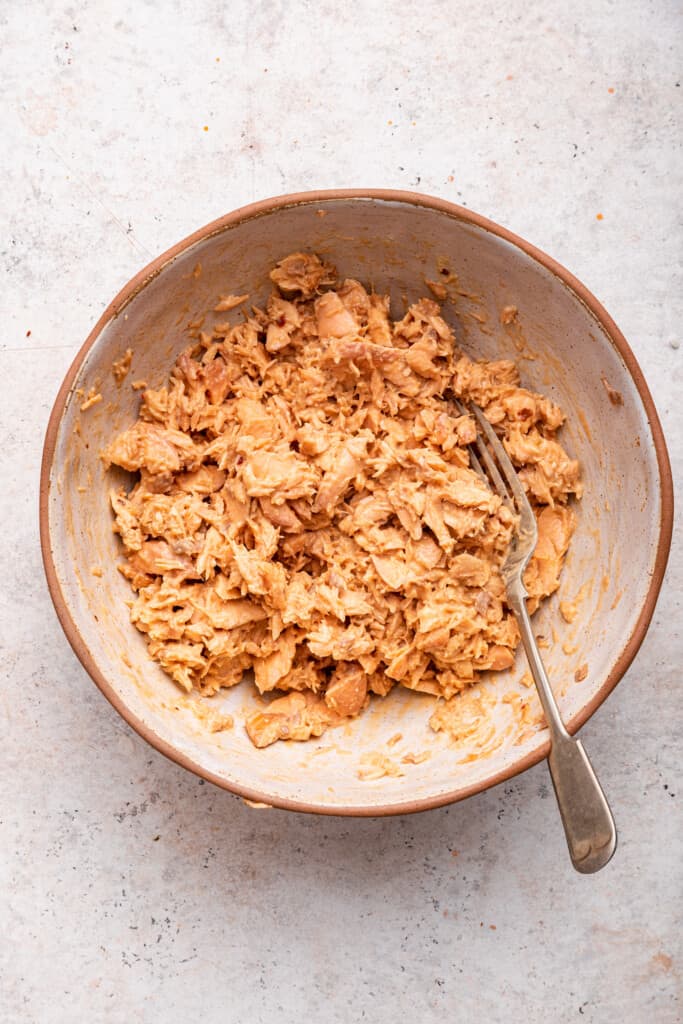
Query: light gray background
[(130, 891)]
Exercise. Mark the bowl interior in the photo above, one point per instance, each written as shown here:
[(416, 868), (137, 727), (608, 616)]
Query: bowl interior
[(563, 351)]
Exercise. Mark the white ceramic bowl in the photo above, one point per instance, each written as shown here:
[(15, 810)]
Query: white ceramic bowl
[(392, 240)]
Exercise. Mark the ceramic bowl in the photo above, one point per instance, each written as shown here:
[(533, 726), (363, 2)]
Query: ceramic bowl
[(567, 347)]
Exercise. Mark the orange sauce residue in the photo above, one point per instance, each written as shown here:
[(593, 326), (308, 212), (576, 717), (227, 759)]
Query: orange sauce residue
[(584, 423)]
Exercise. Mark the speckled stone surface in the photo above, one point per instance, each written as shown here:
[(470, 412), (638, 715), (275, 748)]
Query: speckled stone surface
[(129, 890)]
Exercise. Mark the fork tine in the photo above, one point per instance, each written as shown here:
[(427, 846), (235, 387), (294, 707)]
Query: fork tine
[(483, 454), (490, 475), (493, 472), (508, 470), (476, 464)]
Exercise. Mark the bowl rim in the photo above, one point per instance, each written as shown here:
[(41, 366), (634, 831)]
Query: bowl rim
[(250, 212)]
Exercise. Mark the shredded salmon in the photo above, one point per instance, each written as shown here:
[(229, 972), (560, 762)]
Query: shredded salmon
[(305, 507)]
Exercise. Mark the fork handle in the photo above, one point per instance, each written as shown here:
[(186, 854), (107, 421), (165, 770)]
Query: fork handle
[(588, 823)]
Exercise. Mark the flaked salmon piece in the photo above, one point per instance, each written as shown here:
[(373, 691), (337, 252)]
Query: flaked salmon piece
[(173, 517), (137, 580), (379, 326), (368, 511), (465, 522), (384, 541), (555, 528), (270, 670), (496, 659), (552, 479), (283, 325), (224, 671), (202, 481), (181, 660), (214, 554), (260, 576), (299, 600), (365, 356), (279, 474), (421, 355), (464, 718), (157, 558), (333, 318), (153, 483), (329, 639), (482, 381), (298, 716), (232, 507), (434, 519), (154, 405), (244, 352), (154, 448), (227, 302), (284, 313), (426, 683), (340, 601), (531, 447), (524, 409), (425, 552), (444, 430), (227, 614), (449, 431), (217, 381), (253, 640), (313, 439), (465, 488), (305, 674), (280, 515), (380, 684), (392, 570), (265, 535), (347, 692), (471, 569), (447, 607), (410, 663), (255, 420), (126, 521), (408, 501), (417, 317), (348, 462), (302, 274), (355, 298)]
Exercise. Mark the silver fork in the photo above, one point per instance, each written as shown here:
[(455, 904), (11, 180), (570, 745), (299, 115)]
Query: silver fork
[(586, 816)]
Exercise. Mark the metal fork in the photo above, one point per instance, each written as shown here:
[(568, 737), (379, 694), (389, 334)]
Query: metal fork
[(586, 816)]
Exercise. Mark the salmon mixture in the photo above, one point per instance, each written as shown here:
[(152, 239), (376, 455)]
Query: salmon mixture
[(305, 508)]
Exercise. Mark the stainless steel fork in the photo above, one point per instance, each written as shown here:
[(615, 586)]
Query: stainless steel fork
[(586, 816)]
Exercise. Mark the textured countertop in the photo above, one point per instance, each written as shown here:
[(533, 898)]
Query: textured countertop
[(131, 891)]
